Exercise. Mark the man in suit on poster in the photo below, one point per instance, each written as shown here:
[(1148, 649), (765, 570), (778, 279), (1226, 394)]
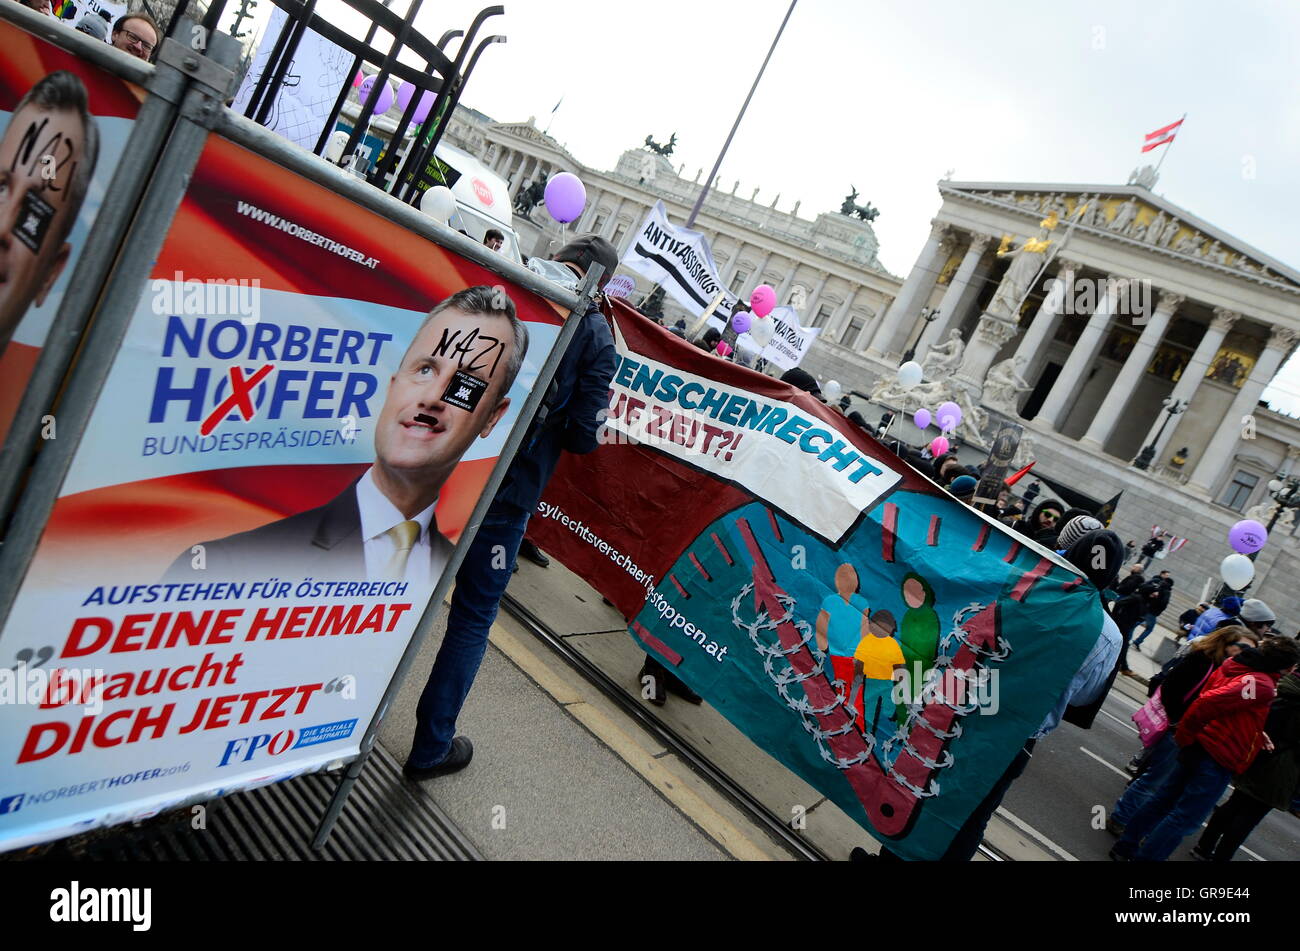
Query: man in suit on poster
[(451, 388)]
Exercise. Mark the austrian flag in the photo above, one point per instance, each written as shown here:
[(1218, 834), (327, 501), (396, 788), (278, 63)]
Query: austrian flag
[(1161, 136)]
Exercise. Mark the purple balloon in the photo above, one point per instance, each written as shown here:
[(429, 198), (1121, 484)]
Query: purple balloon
[(565, 197), (922, 418), (949, 409), (1247, 536), (383, 99), (741, 321), (406, 92)]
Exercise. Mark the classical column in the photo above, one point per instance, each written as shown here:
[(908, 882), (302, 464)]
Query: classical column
[(784, 290), (732, 265), (815, 299), (1103, 424), (1190, 380), (937, 329), (755, 278), (914, 290), (1042, 329), (1220, 448), (1081, 356), (835, 326)]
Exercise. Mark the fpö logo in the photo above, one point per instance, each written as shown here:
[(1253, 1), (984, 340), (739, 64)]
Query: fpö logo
[(244, 748), (483, 191)]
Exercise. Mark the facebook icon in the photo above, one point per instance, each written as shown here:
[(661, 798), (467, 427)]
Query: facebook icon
[(10, 804)]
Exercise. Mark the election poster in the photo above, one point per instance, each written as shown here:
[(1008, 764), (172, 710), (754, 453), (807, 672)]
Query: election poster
[(63, 127), (888, 644), (306, 407)]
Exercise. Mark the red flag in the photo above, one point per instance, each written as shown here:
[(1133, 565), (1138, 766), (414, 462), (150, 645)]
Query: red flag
[(1161, 136), (1016, 477)]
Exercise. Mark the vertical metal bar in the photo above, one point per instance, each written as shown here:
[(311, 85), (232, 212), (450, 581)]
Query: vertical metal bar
[(433, 608), (286, 58), (149, 132), (117, 307), (454, 101), (708, 182), (272, 62), (395, 140), (385, 70), (181, 7), (417, 157), (328, 128)]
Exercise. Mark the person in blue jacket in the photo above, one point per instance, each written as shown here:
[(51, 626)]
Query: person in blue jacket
[(569, 421)]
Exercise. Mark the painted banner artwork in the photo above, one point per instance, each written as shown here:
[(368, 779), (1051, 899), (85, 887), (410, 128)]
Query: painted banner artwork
[(58, 161), (767, 551), (221, 596)]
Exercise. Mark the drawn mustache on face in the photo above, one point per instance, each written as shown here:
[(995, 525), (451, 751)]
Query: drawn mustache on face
[(426, 419)]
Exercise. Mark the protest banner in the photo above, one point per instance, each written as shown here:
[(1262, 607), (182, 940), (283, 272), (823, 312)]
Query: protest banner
[(60, 157), (285, 451), (679, 260), (758, 542), (789, 344)]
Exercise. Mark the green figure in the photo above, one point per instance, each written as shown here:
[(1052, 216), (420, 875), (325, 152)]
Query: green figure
[(918, 634)]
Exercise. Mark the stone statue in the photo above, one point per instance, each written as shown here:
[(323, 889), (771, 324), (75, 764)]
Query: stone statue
[(1188, 244), (1144, 177), (1089, 216), (529, 198), (799, 297), (658, 149), (1154, 228), (887, 392), (1263, 512), (1124, 216), (849, 207), (943, 359), (1024, 453), (1004, 384), (1025, 264), (1170, 230)]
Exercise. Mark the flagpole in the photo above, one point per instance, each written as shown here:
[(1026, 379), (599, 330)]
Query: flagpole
[(1170, 144), (708, 182)]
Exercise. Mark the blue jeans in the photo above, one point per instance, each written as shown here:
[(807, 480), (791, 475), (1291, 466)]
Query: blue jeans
[(1176, 809), (482, 579), (1150, 624), (1161, 762)]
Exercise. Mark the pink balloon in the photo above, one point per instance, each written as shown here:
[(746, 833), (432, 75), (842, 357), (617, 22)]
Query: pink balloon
[(358, 79), (938, 446), (382, 98), (565, 197), (922, 418), (722, 348), (762, 300), (741, 321)]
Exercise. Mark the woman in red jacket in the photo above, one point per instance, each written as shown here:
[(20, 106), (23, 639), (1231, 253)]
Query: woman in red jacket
[(1220, 735)]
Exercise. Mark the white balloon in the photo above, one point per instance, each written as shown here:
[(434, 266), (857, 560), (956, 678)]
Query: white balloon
[(1237, 571), (762, 330), (438, 203), (832, 391), (337, 143), (909, 374)]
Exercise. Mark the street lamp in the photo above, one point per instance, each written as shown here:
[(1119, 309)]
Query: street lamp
[(929, 315), (1172, 407), (1286, 493)]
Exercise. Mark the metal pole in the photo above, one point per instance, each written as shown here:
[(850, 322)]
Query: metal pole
[(328, 127), (417, 156), (121, 296), (286, 59), (454, 100), (1170, 145), (708, 182), (433, 608), (385, 167)]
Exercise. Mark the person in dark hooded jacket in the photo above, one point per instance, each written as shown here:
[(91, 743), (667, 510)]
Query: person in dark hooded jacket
[(1043, 523)]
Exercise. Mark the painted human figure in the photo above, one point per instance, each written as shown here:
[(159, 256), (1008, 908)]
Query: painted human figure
[(841, 621), (918, 635), (877, 664)]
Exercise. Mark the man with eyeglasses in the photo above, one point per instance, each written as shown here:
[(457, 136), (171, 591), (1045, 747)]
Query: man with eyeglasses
[(137, 34)]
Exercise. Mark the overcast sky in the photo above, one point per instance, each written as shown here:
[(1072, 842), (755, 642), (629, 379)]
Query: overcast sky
[(890, 96)]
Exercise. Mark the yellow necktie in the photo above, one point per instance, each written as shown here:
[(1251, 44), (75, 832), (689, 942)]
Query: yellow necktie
[(403, 535)]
